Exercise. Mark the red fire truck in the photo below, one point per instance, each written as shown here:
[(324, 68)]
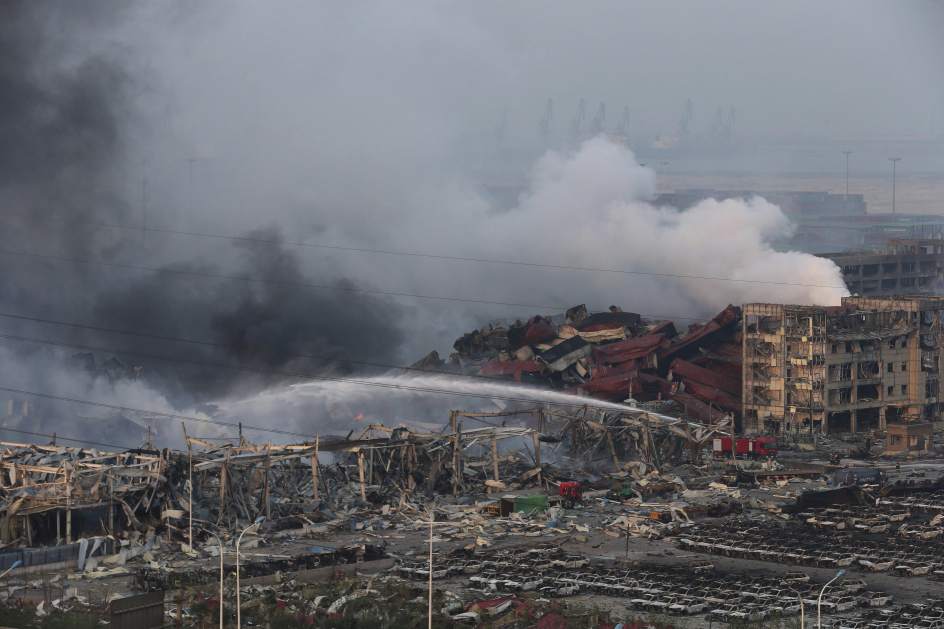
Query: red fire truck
[(745, 447), (571, 493)]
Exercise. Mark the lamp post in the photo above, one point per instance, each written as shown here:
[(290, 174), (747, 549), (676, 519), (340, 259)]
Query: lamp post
[(255, 525), (220, 542), (189, 494), (429, 609), (846, 200), (894, 161), (802, 615), (16, 564), (819, 599), (432, 523)]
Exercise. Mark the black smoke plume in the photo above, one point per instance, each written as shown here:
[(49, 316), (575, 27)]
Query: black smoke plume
[(68, 105)]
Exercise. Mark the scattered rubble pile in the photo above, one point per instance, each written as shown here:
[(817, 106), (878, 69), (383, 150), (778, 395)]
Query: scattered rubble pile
[(931, 502), (611, 355), (643, 436)]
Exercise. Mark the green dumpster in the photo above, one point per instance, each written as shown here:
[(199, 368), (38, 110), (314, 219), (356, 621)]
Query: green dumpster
[(531, 504)]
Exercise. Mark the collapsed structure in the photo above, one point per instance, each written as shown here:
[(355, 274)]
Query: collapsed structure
[(612, 355), (56, 494), (53, 494), (856, 367), (774, 368)]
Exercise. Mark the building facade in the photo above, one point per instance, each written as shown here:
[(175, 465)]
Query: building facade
[(852, 368), (916, 437), (904, 266)]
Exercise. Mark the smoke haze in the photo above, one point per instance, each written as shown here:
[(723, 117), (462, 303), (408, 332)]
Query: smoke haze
[(389, 127)]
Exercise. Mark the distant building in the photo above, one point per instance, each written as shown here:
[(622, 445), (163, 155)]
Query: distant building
[(870, 231), (824, 221), (903, 267), (797, 205), (861, 366), (909, 437)]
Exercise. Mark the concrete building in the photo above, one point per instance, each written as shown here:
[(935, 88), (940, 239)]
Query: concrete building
[(851, 368), (904, 266), (822, 235), (915, 437)]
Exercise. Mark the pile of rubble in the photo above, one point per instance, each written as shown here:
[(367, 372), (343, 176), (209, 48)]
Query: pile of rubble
[(611, 355)]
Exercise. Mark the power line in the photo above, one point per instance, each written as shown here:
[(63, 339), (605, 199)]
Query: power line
[(176, 339), (241, 278), (299, 375), (433, 256), (56, 436), (161, 414), (207, 274), (469, 259)]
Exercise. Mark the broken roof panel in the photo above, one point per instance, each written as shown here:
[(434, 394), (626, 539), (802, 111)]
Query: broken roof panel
[(689, 372), (688, 344), (698, 409), (513, 368), (714, 395), (630, 349), (565, 354)]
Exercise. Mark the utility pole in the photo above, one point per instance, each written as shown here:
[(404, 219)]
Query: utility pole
[(894, 161), (847, 154)]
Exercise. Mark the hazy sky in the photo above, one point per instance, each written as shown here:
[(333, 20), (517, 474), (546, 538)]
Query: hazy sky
[(857, 68), (842, 69)]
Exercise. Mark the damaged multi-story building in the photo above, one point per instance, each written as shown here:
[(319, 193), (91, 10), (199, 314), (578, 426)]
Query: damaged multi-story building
[(851, 368), (903, 266)]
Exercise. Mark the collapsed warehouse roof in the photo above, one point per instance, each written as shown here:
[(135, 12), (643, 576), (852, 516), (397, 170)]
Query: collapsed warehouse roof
[(611, 355), (54, 494)]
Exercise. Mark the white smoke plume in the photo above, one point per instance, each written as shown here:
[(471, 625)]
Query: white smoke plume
[(598, 201), (592, 209)]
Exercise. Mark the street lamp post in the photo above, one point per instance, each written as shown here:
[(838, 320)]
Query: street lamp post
[(429, 608), (220, 542), (847, 154), (432, 522), (255, 525), (819, 599), (894, 161), (802, 615)]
